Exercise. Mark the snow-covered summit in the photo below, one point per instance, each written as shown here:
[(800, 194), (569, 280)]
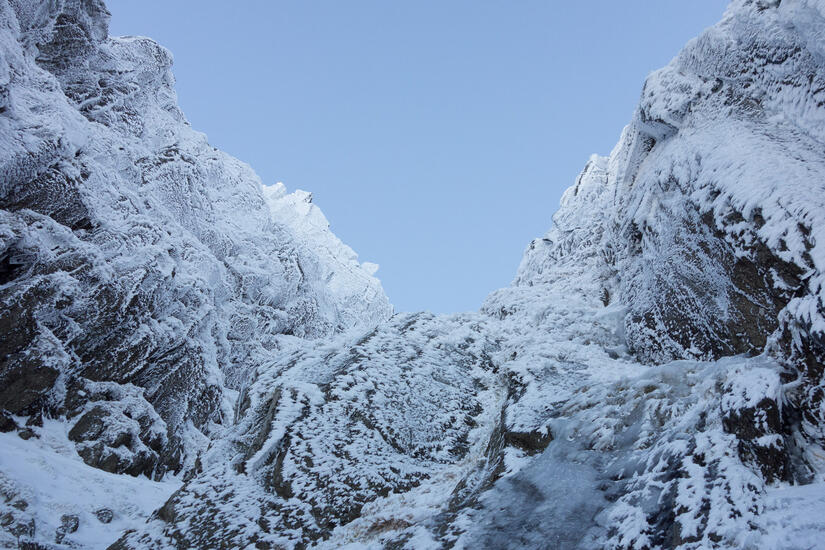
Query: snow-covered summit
[(356, 295)]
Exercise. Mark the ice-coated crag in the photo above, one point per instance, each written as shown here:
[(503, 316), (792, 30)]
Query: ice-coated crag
[(143, 274), (653, 378)]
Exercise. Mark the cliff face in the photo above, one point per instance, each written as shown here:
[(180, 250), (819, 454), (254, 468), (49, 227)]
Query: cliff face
[(142, 273), (651, 379), (708, 207)]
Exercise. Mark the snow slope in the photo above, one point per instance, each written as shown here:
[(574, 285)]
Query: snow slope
[(47, 474), (653, 378)]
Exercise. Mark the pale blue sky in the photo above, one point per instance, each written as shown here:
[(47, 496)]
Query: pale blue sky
[(437, 136)]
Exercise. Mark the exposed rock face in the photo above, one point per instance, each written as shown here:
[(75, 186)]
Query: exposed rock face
[(652, 379)]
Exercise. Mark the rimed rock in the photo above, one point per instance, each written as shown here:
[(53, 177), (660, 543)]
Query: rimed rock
[(104, 515), (133, 253), (69, 524)]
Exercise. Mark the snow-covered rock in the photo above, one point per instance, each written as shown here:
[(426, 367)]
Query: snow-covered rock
[(143, 275), (653, 378)]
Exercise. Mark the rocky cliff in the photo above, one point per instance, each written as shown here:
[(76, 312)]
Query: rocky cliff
[(653, 378), (142, 271)]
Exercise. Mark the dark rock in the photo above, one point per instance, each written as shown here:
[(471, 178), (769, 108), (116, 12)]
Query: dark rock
[(23, 528), (53, 194), (76, 397), (109, 461), (32, 545), (7, 423), (25, 386), (11, 267), (142, 463), (90, 426), (104, 515), (167, 511), (196, 469), (18, 329), (531, 442), (92, 454), (26, 434), (674, 313), (35, 420), (69, 523), (752, 423), (6, 519), (100, 431)]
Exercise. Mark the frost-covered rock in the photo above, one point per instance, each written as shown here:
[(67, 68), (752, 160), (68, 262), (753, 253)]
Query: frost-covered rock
[(42, 480), (333, 433), (133, 253), (704, 220), (352, 293), (653, 378)]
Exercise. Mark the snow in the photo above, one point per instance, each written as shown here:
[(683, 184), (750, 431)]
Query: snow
[(793, 517), (47, 473)]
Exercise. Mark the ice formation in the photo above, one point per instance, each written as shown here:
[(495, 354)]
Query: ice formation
[(174, 330)]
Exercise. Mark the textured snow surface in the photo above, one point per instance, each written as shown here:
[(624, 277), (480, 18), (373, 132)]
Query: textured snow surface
[(653, 378), (50, 477)]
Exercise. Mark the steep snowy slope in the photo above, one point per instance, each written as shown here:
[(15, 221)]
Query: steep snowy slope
[(651, 379)]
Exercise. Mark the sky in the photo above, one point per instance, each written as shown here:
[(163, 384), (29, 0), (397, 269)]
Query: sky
[(437, 136)]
